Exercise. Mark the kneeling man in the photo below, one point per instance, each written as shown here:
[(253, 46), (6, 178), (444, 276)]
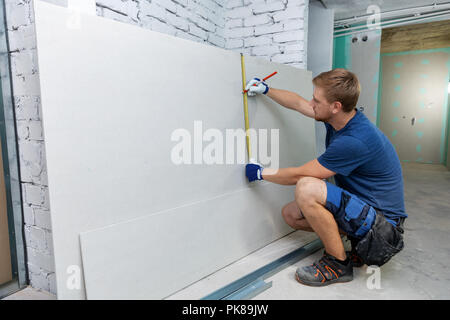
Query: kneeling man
[(365, 167)]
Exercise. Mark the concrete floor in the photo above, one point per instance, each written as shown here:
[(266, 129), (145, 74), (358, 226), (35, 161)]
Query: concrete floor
[(30, 293), (419, 271)]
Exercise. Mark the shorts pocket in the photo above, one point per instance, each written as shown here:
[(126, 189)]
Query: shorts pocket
[(353, 208), (367, 222), (381, 243)]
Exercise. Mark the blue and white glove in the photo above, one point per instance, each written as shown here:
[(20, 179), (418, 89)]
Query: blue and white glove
[(253, 171), (260, 88)]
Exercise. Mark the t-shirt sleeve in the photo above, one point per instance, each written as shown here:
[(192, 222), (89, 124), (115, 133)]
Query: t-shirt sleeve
[(344, 155)]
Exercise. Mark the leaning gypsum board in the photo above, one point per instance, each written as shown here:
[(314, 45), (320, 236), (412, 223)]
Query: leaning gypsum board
[(108, 115), (154, 256)]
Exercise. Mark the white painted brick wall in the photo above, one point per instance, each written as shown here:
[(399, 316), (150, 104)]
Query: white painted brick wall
[(256, 20), (196, 20), (268, 7), (271, 29), (241, 33)]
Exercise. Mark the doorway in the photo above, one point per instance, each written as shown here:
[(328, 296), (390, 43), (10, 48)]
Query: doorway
[(414, 104), (414, 77)]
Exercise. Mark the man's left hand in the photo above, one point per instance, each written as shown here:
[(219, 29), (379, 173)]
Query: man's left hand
[(253, 171)]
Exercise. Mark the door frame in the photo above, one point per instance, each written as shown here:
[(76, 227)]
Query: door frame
[(9, 141)]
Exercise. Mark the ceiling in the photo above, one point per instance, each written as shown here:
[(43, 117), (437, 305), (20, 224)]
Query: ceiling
[(350, 8)]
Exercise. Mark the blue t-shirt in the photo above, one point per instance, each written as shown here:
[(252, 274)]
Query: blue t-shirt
[(366, 165)]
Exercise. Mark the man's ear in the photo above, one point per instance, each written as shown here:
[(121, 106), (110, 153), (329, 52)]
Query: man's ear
[(336, 107)]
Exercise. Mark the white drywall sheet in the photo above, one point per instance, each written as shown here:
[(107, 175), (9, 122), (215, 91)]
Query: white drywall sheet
[(154, 256), (112, 96)]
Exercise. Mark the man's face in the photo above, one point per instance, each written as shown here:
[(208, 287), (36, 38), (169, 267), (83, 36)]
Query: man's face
[(322, 108)]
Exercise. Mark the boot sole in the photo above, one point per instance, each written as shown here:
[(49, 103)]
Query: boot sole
[(326, 283)]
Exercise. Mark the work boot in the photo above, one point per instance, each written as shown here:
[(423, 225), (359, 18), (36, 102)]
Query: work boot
[(325, 271)]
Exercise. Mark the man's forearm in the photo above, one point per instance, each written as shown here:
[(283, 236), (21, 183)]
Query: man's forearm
[(291, 100), (284, 176), (290, 176)]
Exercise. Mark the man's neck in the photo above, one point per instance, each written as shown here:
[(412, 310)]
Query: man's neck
[(341, 122)]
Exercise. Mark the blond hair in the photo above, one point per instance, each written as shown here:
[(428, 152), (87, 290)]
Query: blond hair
[(339, 85)]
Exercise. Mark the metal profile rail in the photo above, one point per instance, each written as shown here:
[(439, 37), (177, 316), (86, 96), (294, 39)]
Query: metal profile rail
[(252, 284)]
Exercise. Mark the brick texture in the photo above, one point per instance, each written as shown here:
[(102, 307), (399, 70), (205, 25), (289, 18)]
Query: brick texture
[(270, 29)]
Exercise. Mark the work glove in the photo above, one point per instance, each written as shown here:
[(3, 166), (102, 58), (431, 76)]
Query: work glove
[(253, 171), (260, 88)]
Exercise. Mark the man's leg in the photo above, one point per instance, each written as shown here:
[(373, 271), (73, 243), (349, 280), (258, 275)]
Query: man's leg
[(311, 197), (325, 206), (294, 218)]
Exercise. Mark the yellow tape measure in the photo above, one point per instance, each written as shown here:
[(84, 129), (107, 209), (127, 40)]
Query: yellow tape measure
[(244, 82)]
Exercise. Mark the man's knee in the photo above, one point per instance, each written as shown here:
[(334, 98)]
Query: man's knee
[(308, 191)]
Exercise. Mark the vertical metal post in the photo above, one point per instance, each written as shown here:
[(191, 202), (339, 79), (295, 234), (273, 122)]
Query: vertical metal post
[(8, 136)]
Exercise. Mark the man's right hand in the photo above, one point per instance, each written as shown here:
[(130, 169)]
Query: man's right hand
[(260, 88)]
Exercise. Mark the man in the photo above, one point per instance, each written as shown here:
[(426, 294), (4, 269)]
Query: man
[(363, 162)]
